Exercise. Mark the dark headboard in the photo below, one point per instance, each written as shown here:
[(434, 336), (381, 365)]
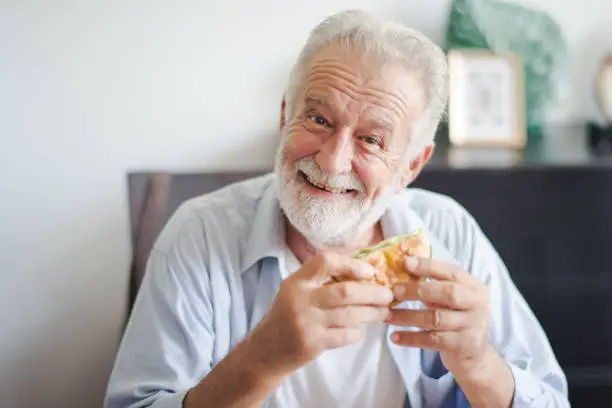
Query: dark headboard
[(154, 197)]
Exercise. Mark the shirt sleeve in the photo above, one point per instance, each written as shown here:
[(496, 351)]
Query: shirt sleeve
[(167, 344), (515, 332)]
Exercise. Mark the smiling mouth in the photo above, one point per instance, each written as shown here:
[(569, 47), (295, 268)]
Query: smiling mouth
[(322, 187)]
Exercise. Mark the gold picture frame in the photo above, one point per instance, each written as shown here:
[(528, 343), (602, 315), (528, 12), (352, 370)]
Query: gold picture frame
[(486, 99)]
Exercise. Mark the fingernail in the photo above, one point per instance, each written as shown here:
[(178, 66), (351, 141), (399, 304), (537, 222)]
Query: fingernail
[(411, 262), (399, 290)]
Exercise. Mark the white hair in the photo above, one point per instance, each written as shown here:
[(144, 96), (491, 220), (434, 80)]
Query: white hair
[(386, 41)]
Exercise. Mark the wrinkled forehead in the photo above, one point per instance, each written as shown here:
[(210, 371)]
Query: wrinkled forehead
[(357, 83)]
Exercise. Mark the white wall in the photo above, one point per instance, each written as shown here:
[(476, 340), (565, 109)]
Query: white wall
[(90, 90)]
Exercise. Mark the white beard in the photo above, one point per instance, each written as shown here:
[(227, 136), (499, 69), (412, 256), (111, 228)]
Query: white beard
[(326, 222)]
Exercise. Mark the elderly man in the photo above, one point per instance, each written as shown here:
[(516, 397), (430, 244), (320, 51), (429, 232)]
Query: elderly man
[(237, 309)]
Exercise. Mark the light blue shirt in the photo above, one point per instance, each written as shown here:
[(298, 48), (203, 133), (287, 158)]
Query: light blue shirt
[(215, 270)]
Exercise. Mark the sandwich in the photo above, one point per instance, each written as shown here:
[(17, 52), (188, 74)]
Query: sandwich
[(388, 257)]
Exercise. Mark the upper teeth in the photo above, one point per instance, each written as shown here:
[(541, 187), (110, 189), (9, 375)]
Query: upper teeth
[(332, 189)]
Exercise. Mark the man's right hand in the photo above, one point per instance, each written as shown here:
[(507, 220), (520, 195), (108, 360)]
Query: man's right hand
[(311, 313)]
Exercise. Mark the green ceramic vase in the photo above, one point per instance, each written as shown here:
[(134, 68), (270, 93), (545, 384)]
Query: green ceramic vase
[(503, 26)]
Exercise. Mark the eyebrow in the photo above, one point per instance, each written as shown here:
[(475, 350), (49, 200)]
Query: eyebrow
[(380, 123), (316, 101), (375, 122)]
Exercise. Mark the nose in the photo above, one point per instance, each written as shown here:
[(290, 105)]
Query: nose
[(336, 154)]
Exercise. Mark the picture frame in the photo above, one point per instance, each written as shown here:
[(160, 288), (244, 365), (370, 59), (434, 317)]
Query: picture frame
[(486, 99)]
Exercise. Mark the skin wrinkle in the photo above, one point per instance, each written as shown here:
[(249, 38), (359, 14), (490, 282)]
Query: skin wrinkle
[(324, 68), (328, 66), (375, 123), (399, 103), (335, 66), (326, 72), (383, 153)]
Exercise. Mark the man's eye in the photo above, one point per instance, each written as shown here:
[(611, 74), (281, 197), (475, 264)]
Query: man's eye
[(319, 120), (371, 140)]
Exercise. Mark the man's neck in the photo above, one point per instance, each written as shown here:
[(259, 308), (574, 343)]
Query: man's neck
[(303, 250)]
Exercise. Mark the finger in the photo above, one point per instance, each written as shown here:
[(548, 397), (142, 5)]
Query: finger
[(351, 293), (329, 265), (340, 337), (354, 315), (431, 339), (406, 291), (449, 295), (429, 319), (425, 267)]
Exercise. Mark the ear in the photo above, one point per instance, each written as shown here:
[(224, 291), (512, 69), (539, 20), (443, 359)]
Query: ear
[(282, 115), (412, 170)]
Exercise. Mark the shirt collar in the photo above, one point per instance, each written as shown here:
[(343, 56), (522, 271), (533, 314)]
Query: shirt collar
[(399, 218), (267, 235)]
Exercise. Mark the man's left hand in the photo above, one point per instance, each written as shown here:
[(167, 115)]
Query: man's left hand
[(456, 317)]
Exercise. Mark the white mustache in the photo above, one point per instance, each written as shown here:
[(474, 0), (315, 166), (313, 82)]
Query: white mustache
[(348, 181)]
